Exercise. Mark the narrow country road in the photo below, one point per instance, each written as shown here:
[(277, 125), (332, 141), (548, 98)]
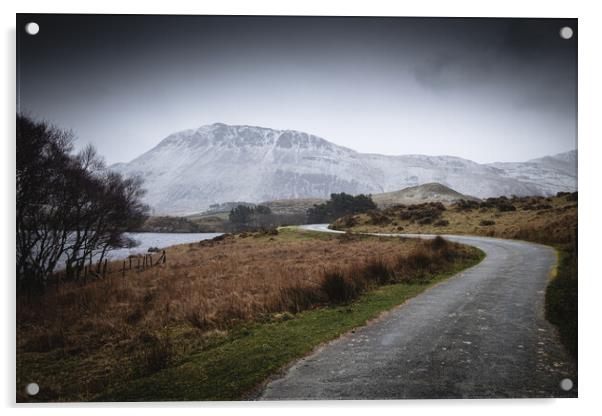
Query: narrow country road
[(480, 334)]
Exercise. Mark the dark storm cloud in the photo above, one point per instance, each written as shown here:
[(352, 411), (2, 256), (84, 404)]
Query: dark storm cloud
[(525, 52), (486, 89)]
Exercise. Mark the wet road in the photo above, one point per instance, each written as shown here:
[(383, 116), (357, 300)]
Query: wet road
[(480, 334)]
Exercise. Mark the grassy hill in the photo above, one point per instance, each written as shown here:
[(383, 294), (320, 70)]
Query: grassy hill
[(292, 206), (429, 192), (550, 220)]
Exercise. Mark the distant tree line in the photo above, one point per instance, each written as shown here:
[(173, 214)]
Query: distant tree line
[(338, 206), (244, 217), (70, 208), (248, 218)]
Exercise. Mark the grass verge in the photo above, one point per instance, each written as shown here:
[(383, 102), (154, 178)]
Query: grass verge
[(561, 298), (233, 368)]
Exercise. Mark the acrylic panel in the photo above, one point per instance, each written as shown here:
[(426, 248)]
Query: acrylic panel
[(295, 208)]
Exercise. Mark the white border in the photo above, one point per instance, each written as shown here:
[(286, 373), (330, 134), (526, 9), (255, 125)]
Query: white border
[(590, 189)]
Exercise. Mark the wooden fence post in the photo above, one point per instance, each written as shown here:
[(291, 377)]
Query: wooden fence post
[(123, 269), (104, 269)]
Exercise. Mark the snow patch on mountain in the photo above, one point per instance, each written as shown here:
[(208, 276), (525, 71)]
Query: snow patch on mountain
[(192, 169)]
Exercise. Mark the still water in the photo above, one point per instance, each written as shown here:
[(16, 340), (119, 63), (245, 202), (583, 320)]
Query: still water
[(160, 240)]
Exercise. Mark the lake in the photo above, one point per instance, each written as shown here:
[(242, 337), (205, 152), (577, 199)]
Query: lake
[(160, 240)]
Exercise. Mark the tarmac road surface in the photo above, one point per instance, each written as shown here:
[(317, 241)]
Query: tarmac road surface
[(479, 334)]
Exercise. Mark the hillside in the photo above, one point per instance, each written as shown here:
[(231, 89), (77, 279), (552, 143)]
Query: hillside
[(548, 220), (429, 192), (189, 171)]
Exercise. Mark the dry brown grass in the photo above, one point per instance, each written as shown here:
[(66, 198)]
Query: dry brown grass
[(84, 339), (545, 220), (205, 286)]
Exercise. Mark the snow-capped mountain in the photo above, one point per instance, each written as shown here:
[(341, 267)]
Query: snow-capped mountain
[(190, 170)]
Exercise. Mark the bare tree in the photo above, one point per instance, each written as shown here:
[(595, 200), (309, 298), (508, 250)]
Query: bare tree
[(70, 208)]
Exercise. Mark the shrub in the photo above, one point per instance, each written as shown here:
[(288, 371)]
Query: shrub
[(444, 251), (339, 287), (377, 217), (501, 203), (439, 243), (422, 213), (349, 220), (441, 223), (339, 205), (486, 223), (297, 298), (268, 231), (466, 205), (377, 271), (416, 265)]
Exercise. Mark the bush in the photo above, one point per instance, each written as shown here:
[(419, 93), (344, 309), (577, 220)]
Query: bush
[(377, 271), (268, 231), (439, 243), (441, 223), (339, 287), (569, 196), (466, 205), (501, 203), (377, 217), (416, 265), (422, 213), (297, 298), (349, 221), (486, 223), (340, 205)]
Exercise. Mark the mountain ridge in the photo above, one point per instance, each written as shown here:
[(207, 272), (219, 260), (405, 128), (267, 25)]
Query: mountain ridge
[(192, 169)]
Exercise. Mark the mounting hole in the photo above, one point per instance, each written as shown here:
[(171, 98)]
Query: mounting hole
[(32, 389), (566, 32), (566, 384), (32, 28)]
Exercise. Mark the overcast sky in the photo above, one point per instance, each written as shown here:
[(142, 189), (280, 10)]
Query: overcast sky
[(483, 89)]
